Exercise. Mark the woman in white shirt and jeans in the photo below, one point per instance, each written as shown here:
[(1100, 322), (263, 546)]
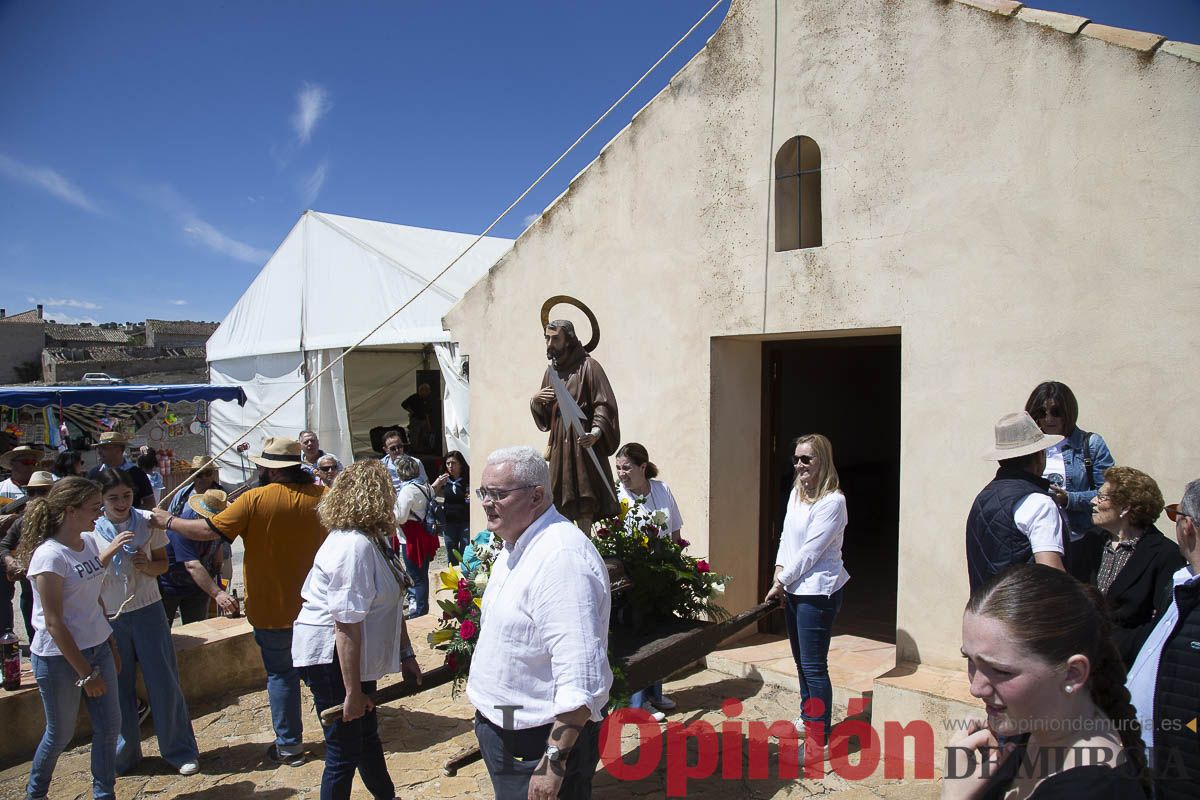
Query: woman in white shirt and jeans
[(809, 575), (73, 649), (344, 639)]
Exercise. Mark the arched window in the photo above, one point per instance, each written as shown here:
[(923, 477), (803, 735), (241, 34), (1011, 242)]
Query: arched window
[(798, 195)]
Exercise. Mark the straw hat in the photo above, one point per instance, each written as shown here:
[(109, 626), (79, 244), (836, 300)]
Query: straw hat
[(36, 451), (209, 504), (113, 437), (41, 480), (1018, 435), (278, 452), (202, 463)]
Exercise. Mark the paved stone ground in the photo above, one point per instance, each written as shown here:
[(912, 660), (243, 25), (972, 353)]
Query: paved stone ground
[(420, 735)]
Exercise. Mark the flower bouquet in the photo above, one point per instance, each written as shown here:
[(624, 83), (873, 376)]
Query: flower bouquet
[(458, 631), (667, 583)]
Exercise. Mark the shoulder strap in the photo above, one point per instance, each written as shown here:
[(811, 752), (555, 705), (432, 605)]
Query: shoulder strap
[(1087, 459)]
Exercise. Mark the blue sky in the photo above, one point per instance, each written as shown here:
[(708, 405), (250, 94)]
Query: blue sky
[(153, 155)]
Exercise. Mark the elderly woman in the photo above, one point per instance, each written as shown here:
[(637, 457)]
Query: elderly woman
[(1075, 468), (636, 475), (344, 639), (327, 469), (1137, 562), (417, 544), (809, 575), (1040, 657)]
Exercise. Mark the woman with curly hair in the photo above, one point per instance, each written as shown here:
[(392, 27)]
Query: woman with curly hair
[(1137, 563), (1060, 724), (344, 639)]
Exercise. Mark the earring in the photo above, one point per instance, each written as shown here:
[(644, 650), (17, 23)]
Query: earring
[(1068, 688)]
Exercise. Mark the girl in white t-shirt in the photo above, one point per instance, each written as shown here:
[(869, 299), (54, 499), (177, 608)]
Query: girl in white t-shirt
[(636, 474), (140, 628), (73, 647)]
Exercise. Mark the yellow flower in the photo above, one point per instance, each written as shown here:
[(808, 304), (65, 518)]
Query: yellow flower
[(441, 636), (645, 541), (450, 578), (478, 602), (624, 508)]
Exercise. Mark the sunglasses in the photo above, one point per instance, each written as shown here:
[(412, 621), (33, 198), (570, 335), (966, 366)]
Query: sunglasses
[(26, 462), (805, 460), (1173, 513)]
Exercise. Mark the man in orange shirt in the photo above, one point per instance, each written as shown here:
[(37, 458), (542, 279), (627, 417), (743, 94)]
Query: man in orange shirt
[(280, 529)]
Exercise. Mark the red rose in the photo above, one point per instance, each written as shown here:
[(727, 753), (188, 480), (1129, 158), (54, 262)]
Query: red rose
[(452, 661), (462, 584), (468, 630), (463, 596), (702, 567), (601, 533)]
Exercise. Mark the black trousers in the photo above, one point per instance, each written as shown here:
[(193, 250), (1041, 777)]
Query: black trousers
[(7, 591), (512, 758)]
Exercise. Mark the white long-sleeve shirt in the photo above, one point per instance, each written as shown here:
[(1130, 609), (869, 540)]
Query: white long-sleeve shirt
[(543, 642), (810, 548)]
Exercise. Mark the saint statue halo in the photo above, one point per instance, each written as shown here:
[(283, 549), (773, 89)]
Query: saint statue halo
[(549, 305)]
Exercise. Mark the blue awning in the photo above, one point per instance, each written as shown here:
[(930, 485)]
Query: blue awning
[(115, 396)]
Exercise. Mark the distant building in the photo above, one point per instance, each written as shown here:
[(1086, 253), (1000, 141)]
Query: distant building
[(83, 336), (22, 337), (166, 333)]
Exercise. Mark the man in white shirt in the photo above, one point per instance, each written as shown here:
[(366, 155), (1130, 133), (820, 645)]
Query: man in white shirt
[(539, 675), (21, 462), (1015, 520), (1161, 683)]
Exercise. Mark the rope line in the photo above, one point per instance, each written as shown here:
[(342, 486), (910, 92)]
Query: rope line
[(188, 481)]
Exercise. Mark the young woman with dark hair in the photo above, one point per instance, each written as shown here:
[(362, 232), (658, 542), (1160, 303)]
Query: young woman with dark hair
[(454, 487), (1075, 468), (1060, 723), (68, 463), (133, 603)]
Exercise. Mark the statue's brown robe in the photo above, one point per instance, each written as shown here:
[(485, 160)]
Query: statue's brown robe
[(578, 488)]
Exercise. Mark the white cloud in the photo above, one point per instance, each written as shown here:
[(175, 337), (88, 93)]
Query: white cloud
[(530, 219), (164, 196), (312, 103), (48, 181), (214, 239), (310, 187), (54, 302), (68, 319), (178, 302)]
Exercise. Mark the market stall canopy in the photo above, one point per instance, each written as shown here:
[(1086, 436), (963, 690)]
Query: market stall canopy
[(53, 396)]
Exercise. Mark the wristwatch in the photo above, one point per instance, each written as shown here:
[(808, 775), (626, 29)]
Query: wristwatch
[(555, 754)]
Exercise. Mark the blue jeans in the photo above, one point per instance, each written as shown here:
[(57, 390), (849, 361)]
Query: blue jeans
[(283, 685), (652, 693), (512, 757), (809, 619), (60, 700), (418, 593), (456, 537), (144, 637), (349, 746)]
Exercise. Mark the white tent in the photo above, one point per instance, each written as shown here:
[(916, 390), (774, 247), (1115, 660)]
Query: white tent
[(331, 280)]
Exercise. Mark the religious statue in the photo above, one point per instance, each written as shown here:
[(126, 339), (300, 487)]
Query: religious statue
[(577, 406)]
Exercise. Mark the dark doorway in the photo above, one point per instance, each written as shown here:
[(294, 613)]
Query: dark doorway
[(849, 390)]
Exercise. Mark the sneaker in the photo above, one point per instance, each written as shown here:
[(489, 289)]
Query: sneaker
[(143, 711), (190, 768), (649, 708), (664, 703), (275, 755)]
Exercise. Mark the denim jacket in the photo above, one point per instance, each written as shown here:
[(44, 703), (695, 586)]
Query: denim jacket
[(1079, 494)]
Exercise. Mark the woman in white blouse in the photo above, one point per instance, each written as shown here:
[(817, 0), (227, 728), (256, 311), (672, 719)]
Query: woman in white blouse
[(345, 638), (809, 574)]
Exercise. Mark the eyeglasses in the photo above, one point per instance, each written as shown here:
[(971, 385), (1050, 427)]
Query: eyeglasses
[(805, 460), (395, 448), (1104, 498), (1173, 513), (497, 495)]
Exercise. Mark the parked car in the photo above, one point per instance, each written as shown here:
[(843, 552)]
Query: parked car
[(101, 379)]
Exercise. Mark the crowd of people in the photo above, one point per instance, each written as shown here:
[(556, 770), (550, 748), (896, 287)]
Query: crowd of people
[(1079, 635)]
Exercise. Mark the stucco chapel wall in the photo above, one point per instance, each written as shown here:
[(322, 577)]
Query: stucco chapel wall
[(1017, 201)]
